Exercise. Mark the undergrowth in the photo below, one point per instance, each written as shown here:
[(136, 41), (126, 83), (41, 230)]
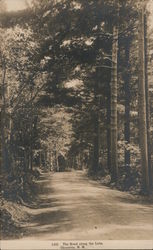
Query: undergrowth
[(18, 189)]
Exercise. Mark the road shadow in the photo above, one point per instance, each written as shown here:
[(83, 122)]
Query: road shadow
[(47, 215), (131, 199), (50, 222)]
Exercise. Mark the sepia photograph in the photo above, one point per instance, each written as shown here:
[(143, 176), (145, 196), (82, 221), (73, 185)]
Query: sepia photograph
[(76, 124)]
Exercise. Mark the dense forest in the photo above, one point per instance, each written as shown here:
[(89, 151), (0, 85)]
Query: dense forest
[(76, 80)]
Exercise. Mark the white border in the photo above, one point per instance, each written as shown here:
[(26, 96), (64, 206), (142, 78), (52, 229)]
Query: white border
[(79, 245)]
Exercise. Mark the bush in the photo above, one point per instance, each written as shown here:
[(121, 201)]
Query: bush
[(130, 178), (18, 185)]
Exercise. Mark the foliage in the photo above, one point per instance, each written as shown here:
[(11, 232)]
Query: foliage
[(55, 79)]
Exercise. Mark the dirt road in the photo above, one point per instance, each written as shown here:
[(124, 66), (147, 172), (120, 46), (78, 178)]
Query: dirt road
[(73, 207)]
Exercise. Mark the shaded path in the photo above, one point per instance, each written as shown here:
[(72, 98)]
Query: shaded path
[(73, 207)]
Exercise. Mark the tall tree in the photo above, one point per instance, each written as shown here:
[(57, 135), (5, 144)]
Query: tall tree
[(142, 104), (147, 97), (114, 163), (95, 164), (127, 102)]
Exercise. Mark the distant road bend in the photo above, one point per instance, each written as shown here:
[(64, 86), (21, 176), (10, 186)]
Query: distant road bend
[(73, 207)]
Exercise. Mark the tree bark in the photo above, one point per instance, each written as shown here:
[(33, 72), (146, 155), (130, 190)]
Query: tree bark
[(114, 163), (147, 101), (96, 144), (142, 106), (95, 163), (127, 104), (5, 155), (108, 130)]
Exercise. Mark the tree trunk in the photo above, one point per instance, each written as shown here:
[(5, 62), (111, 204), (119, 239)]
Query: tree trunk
[(39, 159), (96, 143), (31, 158), (127, 104), (142, 106), (114, 164), (95, 164), (31, 152), (0, 141), (147, 101), (51, 160), (5, 155), (108, 130)]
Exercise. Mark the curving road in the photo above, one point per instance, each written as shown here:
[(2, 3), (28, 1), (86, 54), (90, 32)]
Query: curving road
[(73, 207)]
